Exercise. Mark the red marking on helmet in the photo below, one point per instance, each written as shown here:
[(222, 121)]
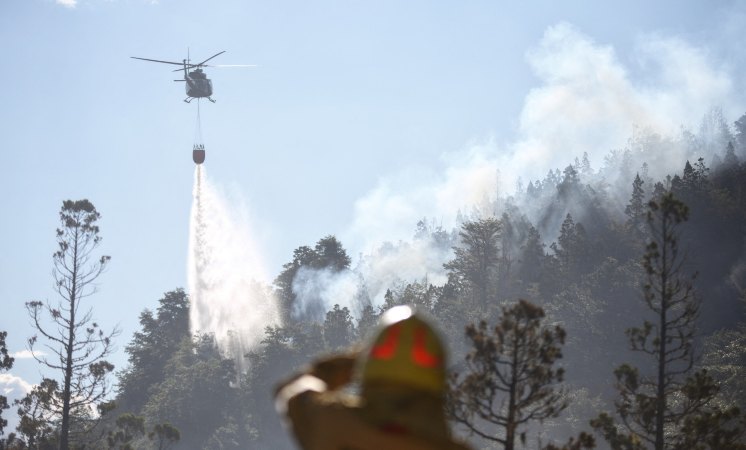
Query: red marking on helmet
[(420, 355), (387, 348)]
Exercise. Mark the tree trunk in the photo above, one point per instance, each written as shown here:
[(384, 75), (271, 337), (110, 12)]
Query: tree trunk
[(660, 404), (510, 425), (65, 427)]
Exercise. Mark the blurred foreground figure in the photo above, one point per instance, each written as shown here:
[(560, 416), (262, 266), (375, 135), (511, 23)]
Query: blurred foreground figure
[(401, 404)]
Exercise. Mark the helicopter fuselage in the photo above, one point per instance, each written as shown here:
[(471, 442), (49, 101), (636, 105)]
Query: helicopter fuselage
[(197, 84)]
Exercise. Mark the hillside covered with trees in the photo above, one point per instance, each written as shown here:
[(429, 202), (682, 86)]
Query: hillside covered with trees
[(623, 288)]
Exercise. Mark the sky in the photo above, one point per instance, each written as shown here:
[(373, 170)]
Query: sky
[(360, 118)]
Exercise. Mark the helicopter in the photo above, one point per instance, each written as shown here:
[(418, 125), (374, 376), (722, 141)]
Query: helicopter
[(197, 83), (197, 86)]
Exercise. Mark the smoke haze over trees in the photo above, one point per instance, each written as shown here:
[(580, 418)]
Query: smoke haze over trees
[(571, 244)]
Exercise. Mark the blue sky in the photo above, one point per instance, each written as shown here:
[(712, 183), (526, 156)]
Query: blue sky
[(356, 112)]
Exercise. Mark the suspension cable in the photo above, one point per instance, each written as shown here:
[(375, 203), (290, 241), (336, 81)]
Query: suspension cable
[(198, 129)]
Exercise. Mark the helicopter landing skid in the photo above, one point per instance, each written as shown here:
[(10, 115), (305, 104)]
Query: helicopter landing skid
[(189, 99)]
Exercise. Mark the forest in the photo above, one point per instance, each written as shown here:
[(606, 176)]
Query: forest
[(629, 280)]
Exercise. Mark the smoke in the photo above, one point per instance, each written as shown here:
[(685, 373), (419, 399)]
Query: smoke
[(318, 290), (225, 273), (384, 222), (390, 211), (589, 99), (622, 111), (391, 264)]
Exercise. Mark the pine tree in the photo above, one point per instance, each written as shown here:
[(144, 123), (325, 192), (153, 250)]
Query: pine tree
[(476, 258), (635, 209), (158, 339), (670, 407), (367, 322), (38, 416), (740, 136), (328, 253), (80, 346), (570, 182), (572, 247), (585, 166), (339, 330), (511, 377), (532, 256), (730, 160)]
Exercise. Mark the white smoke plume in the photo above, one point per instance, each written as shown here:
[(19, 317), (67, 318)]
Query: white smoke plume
[(226, 272), (589, 100), (391, 264), (318, 290), (390, 211)]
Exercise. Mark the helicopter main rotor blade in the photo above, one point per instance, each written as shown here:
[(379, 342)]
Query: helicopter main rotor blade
[(158, 61), (216, 54), (193, 66), (188, 67), (232, 65)]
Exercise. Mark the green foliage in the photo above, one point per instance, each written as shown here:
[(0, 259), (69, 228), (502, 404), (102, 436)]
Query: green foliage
[(534, 259), (570, 184), (175, 382), (573, 249), (725, 360), (228, 436), (740, 135), (367, 322), (589, 284), (151, 348), (604, 424), (129, 427), (79, 345), (37, 421), (673, 406), (419, 294), (130, 433), (327, 254), (6, 363), (635, 209), (511, 378), (339, 330), (164, 435), (435, 234), (196, 394), (476, 258), (583, 440), (713, 429)]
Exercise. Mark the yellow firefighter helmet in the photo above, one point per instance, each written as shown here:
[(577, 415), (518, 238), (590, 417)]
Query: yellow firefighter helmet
[(406, 352)]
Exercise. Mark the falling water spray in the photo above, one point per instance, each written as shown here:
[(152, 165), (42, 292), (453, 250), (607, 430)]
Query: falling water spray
[(225, 274)]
